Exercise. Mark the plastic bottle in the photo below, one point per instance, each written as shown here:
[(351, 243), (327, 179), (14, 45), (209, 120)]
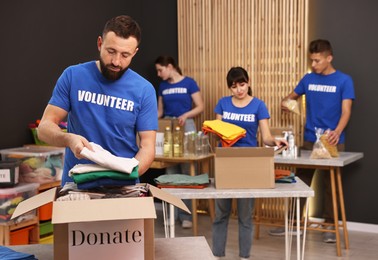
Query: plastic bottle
[(168, 142), (198, 144), (291, 144), (177, 142), (192, 143), (205, 145), (186, 143)]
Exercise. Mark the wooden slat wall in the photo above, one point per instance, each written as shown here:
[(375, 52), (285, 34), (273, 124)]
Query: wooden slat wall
[(266, 37)]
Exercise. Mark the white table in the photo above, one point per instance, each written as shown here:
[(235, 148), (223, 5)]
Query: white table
[(334, 166), (282, 190)]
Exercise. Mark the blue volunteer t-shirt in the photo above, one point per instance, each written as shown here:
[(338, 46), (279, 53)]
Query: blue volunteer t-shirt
[(177, 97), (324, 97), (109, 113), (247, 117)]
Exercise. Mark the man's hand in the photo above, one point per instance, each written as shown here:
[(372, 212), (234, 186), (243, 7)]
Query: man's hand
[(76, 143), (333, 137)]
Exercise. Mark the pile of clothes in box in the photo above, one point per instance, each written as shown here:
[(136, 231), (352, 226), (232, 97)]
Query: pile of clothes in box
[(109, 177)]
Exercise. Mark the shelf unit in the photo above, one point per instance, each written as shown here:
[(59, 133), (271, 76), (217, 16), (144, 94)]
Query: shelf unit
[(6, 228)]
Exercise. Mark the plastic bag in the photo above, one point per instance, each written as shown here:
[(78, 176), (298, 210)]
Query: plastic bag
[(292, 105), (319, 151), (332, 149)]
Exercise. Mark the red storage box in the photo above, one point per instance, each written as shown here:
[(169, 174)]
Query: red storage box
[(45, 212), (20, 236)]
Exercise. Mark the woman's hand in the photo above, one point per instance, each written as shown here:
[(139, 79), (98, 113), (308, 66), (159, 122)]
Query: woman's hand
[(280, 142), (182, 119)]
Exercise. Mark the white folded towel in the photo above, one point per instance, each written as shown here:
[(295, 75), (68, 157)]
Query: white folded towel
[(106, 159)]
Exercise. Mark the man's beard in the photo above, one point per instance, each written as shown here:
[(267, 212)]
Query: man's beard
[(110, 74)]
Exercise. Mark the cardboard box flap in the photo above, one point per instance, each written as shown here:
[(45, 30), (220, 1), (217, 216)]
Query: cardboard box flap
[(103, 209), (167, 197), (244, 152), (34, 202)]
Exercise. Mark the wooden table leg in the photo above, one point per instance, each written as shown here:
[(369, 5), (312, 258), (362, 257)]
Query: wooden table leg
[(342, 207), (194, 203), (2, 232), (6, 235), (205, 166), (335, 211)]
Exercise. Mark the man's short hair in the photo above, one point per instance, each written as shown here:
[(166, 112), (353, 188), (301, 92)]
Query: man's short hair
[(321, 46), (123, 26)]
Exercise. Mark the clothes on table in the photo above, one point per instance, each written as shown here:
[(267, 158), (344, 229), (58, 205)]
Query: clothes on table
[(228, 133), (183, 180), (284, 176)]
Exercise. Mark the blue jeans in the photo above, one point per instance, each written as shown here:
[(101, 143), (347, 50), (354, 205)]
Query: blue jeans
[(220, 226), (183, 168)]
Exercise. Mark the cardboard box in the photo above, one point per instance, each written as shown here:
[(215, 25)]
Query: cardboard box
[(120, 228), (244, 168)]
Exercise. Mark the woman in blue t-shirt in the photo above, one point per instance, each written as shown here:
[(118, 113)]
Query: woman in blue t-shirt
[(178, 97), (250, 113)]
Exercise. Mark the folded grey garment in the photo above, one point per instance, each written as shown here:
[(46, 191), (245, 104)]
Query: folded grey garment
[(68, 186), (182, 179), (74, 196)]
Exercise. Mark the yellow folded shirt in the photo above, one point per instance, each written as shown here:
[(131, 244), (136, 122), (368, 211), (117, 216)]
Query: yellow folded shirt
[(227, 130)]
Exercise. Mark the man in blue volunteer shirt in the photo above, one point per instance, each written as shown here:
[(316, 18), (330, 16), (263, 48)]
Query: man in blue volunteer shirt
[(106, 102), (329, 96)]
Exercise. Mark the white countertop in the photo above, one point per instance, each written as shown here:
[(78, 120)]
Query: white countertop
[(281, 190), (344, 158)]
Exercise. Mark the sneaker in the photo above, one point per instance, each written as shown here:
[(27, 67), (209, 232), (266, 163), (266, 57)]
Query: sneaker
[(186, 224), (329, 237), (280, 232)]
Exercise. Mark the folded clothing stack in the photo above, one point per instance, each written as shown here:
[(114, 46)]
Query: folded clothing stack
[(108, 171), (284, 176), (183, 181), (228, 133), (89, 176), (70, 191)]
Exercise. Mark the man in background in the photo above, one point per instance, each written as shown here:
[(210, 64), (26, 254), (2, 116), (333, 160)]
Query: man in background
[(329, 96)]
